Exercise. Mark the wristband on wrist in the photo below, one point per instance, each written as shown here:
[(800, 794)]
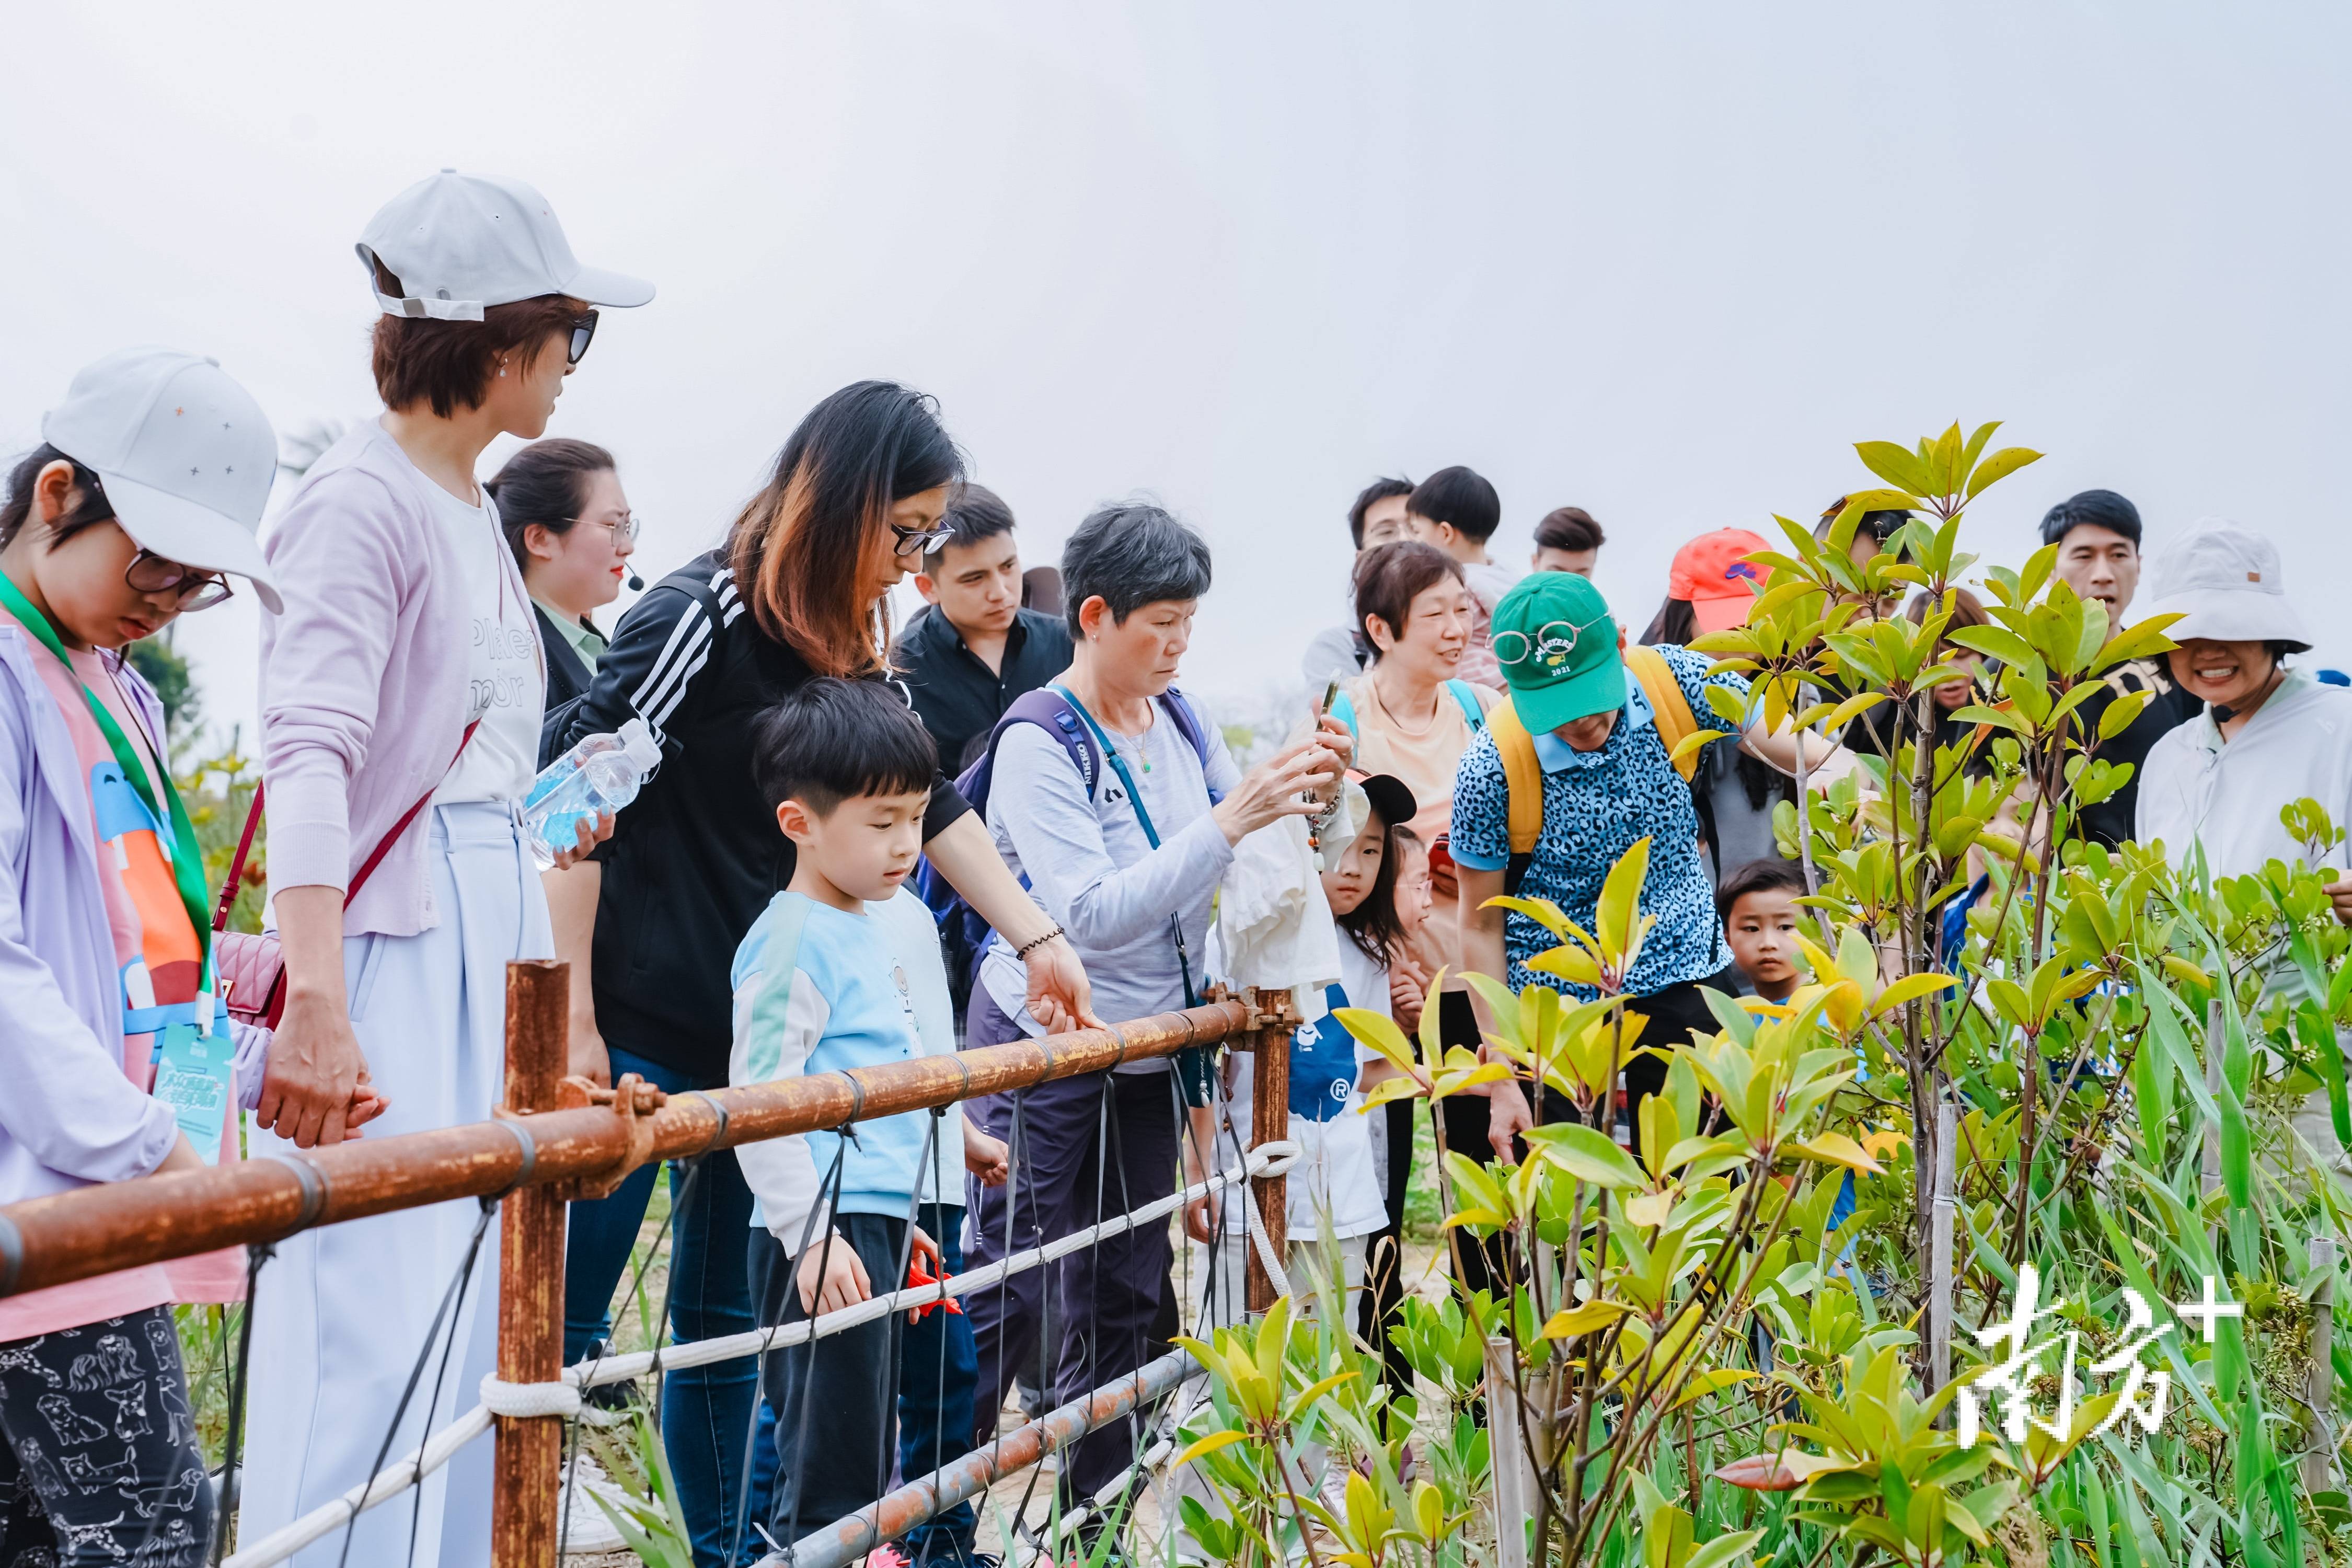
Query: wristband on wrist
[(1035, 942)]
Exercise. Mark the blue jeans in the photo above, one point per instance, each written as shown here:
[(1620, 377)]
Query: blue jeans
[(706, 1410), (938, 1369)]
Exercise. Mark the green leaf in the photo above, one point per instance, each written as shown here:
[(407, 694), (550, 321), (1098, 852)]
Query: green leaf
[(1208, 1445), (1615, 914), (1724, 1550), (1999, 467), (2139, 640), (2121, 711), (1379, 1031), (1584, 1153), (1944, 462), (1837, 1149), (1897, 466), (1907, 988), (1573, 1322), (1995, 642)]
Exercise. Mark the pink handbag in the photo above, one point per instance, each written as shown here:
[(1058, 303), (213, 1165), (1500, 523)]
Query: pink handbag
[(248, 965)]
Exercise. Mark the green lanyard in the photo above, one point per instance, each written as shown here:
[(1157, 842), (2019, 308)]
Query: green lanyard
[(187, 855)]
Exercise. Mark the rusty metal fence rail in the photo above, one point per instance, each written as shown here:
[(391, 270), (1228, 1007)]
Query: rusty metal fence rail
[(554, 1139)]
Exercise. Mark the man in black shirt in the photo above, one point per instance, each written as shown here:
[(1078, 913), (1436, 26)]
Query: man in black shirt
[(974, 648), (2098, 534)]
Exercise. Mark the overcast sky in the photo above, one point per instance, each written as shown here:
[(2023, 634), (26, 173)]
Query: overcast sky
[(1665, 263)]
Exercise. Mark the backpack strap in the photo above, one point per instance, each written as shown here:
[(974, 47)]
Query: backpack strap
[(1345, 711), (1050, 711), (1670, 710), (1522, 776), (1467, 695), (1180, 708)]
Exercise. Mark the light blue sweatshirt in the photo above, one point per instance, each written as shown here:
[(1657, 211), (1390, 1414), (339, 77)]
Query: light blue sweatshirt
[(819, 990)]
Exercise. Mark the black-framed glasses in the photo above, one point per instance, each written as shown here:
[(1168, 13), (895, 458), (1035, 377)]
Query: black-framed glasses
[(152, 574), (627, 528), (1552, 640), (920, 540), (583, 333)]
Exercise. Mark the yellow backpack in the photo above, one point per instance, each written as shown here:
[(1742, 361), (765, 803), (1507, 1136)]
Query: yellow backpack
[(1523, 776)]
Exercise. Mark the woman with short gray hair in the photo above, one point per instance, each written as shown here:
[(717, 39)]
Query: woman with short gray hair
[(1122, 806)]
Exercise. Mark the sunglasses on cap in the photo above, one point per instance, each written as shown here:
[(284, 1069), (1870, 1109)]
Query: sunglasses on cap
[(198, 590), (1553, 640)]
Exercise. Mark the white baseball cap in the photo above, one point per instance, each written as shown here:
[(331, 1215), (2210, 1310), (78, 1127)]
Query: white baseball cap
[(2226, 580), (462, 243), (184, 453)]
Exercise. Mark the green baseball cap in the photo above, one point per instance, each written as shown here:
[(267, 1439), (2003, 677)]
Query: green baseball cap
[(1557, 642)]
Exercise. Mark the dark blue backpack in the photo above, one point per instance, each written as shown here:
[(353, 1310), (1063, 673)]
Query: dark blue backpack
[(963, 935)]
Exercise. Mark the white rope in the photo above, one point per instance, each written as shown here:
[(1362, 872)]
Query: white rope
[(1275, 1274), (562, 1398), (529, 1399)]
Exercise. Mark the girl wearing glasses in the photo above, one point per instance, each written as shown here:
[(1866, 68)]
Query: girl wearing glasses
[(400, 690), (800, 589), (145, 494), (572, 532)]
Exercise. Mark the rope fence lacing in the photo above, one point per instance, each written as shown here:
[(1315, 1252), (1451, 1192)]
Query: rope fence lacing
[(562, 1398)]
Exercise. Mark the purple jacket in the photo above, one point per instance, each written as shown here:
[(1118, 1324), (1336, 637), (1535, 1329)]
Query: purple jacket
[(67, 1116), (363, 677)]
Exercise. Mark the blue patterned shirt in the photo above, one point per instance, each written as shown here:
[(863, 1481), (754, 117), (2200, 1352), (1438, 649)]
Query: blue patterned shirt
[(1596, 804)]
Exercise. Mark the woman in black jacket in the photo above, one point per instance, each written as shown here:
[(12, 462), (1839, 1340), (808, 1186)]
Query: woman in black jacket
[(570, 527), (800, 588)]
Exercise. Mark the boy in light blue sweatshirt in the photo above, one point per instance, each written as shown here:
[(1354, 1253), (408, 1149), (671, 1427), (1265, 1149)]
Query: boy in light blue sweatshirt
[(821, 985)]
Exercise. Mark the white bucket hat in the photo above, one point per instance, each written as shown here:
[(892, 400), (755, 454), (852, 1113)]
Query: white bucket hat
[(185, 453), (462, 243), (2226, 580)]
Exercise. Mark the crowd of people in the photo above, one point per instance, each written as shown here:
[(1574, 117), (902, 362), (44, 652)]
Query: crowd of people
[(1087, 846)]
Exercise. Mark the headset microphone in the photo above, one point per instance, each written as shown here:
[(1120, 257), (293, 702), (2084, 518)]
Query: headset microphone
[(637, 583)]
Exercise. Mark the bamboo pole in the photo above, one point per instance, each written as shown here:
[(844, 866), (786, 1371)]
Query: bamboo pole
[(1943, 1281), (98, 1229), (2318, 1463), (529, 1449), (1506, 1444), (1269, 1123)]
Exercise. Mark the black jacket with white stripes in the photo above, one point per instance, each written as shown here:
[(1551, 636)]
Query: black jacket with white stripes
[(697, 855)]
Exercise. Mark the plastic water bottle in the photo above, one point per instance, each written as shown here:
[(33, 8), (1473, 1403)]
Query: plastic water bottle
[(587, 746), (606, 780)]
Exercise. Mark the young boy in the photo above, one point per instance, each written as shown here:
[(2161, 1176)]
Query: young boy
[(1458, 512), (1758, 907), (824, 983)]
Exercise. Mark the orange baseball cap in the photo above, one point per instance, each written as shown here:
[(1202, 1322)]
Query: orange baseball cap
[(1712, 573)]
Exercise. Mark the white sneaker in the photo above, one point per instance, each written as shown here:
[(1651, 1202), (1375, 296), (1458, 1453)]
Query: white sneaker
[(585, 1526)]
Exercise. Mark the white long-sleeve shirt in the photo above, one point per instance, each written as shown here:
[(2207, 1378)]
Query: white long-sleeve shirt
[(1090, 866), (2197, 789)]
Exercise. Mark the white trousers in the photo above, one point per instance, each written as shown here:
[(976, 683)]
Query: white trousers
[(342, 1313)]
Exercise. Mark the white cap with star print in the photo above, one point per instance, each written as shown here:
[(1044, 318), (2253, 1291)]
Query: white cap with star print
[(184, 453)]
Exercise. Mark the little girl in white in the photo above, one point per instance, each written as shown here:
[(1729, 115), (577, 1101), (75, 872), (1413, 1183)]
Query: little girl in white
[(1336, 1192)]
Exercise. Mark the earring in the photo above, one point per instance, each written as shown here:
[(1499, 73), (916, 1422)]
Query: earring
[(502, 371)]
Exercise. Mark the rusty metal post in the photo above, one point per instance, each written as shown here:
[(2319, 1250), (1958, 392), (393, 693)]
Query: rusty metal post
[(1269, 1123), (530, 1279)]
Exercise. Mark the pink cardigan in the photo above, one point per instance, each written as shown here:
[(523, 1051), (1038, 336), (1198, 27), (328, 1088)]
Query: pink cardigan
[(365, 679)]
